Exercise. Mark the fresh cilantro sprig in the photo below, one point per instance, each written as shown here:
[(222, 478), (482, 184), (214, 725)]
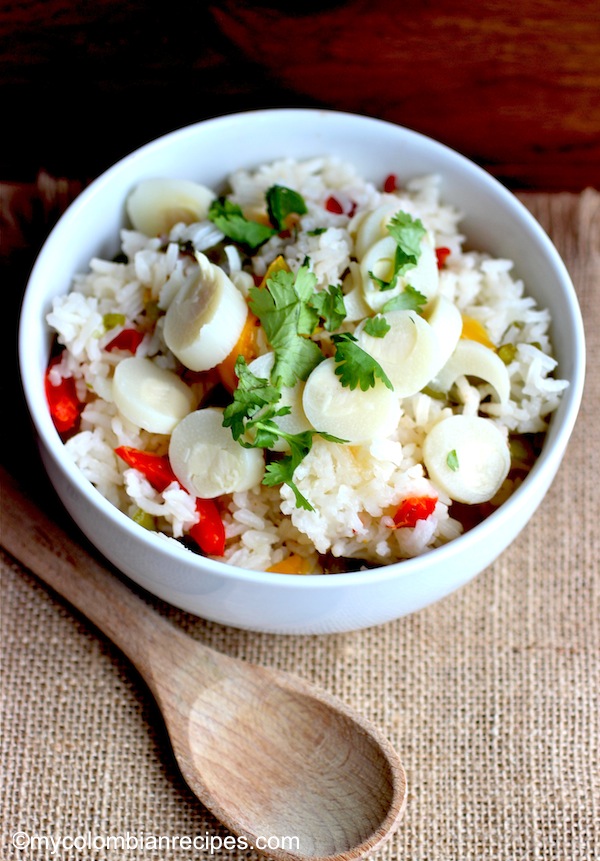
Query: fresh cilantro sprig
[(231, 221), (290, 309), (409, 300), (452, 460), (282, 471), (354, 366), (283, 309), (377, 327), (252, 394), (281, 202), (252, 418), (407, 232), (329, 306)]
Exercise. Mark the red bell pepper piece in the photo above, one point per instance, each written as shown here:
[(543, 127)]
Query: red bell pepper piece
[(332, 204), (414, 508), (155, 467), (442, 255), (63, 402), (127, 339), (391, 183), (209, 532)]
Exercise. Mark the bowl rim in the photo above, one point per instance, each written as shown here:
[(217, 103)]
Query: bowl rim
[(520, 502)]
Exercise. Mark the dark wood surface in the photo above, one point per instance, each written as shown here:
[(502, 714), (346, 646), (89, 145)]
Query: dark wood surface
[(513, 85)]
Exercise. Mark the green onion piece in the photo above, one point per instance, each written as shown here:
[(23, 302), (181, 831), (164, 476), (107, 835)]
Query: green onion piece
[(144, 519), (507, 353), (452, 460), (111, 321)]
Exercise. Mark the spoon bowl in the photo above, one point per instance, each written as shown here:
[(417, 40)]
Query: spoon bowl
[(288, 767)]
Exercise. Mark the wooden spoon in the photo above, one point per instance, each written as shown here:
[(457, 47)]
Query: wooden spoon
[(269, 755)]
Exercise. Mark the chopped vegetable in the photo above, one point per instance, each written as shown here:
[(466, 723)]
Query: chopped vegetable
[(409, 300), (282, 471), (407, 232), (251, 395), (332, 204), (292, 564), (246, 347), (209, 532), (252, 418), (111, 321), (149, 395), (143, 518), (329, 305), (408, 354), (481, 449), (473, 359), (154, 467), (442, 255), (207, 460), (280, 264), (354, 366), (391, 183), (507, 353), (127, 340), (473, 330), (157, 204), (230, 219), (205, 318), (65, 407), (377, 326), (412, 509), (357, 414), (452, 460), (287, 317), (281, 202)]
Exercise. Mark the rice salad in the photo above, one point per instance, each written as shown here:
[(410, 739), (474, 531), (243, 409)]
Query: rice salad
[(305, 373)]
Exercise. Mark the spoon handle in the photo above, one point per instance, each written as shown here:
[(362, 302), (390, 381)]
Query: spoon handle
[(40, 545)]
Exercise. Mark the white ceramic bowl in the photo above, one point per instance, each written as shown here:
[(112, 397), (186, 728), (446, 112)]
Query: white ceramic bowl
[(495, 221)]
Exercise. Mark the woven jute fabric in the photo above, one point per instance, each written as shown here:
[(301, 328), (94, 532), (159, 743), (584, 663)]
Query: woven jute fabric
[(491, 695)]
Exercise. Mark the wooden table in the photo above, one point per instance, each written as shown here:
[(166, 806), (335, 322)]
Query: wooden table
[(514, 86)]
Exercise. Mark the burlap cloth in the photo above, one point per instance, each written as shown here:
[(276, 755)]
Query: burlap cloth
[(491, 696)]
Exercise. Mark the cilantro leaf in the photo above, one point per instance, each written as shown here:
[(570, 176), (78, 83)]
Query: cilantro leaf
[(252, 418), (407, 233), (354, 366), (284, 312), (282, 471), (251, 395), (452, 460), (381, 283), (377, 326), (304, 287), (329, 305), (282, 201), (231, 221), (409, 300)]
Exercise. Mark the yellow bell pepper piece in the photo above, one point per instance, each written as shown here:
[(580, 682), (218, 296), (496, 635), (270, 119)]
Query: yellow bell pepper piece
[(473, 330), (246, 346), (292, 564), (277, 265)]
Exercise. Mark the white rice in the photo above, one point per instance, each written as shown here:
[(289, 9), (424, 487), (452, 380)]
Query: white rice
[(353, 489)]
